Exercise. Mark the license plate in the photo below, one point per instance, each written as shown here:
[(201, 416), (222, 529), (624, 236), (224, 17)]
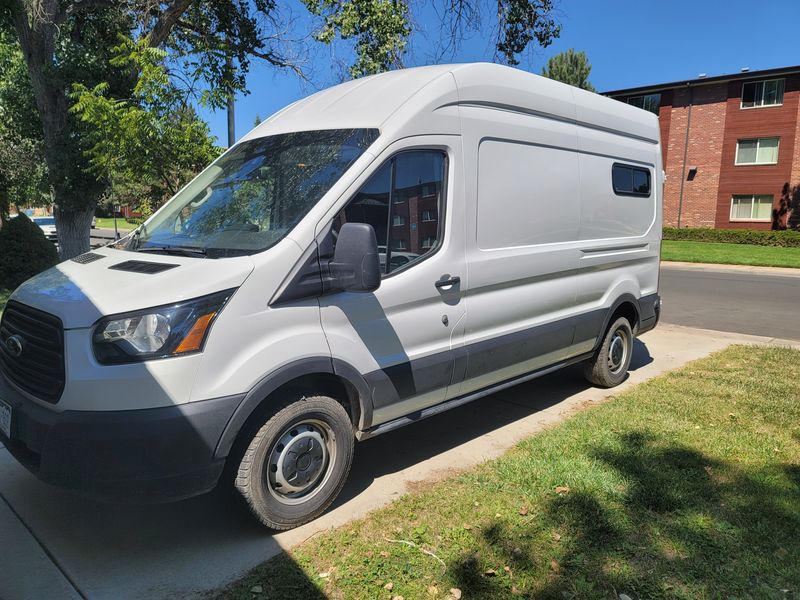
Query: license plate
[(5, 419)]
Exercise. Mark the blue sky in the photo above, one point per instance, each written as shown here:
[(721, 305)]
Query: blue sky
[(629, 43)]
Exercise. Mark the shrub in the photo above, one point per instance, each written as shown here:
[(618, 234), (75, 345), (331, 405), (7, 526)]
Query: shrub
[(24, 251), (759, 237)]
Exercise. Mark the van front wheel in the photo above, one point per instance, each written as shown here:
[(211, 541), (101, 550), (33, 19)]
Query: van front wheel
[(297, 463), (609, 365)]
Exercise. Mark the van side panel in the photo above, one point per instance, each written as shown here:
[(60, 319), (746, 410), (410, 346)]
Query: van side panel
[(533, 185), (522, 224), (620, 235)]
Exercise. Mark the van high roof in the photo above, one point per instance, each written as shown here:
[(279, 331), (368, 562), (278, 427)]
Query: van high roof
[(412, 99)]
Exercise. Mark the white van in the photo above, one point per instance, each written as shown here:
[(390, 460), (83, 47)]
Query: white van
[(257, 324)]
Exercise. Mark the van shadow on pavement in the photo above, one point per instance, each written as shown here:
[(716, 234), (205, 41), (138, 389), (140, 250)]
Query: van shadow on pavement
[(197, 545)]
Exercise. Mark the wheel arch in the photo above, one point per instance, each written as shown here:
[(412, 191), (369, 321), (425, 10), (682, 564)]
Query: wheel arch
[(626, 305), (308, 376)]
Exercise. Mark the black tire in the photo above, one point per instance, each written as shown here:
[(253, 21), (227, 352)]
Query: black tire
[(609, 365), (311, 438)]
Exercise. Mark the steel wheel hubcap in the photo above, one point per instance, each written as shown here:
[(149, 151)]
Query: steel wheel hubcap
[(300, 461), (617, 351)]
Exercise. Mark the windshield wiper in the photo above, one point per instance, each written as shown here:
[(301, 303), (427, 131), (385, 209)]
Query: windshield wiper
[(174, 250)]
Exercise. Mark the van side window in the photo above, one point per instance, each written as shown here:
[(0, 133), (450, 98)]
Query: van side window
[(402, 201), (630, 181)]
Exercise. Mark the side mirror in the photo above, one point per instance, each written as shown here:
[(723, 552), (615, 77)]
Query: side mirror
[(355, 267)]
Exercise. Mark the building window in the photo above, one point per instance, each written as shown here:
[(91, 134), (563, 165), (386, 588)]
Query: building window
[(761, 151), (398, 220), (756, 207), (428, 216), (650, 102), (399, 245), (630, 181), (428, 242), (762, 93)]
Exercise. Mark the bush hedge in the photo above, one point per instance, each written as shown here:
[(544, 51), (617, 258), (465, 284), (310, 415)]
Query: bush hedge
[(759, 237), (24, 251)]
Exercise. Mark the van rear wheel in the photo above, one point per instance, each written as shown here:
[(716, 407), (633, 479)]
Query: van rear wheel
[(297, 462), (609, 365)]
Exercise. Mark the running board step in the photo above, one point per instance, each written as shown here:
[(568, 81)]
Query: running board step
[(461, 400)]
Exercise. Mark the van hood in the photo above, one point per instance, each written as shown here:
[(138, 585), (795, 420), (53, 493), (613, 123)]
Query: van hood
[(107, 281)]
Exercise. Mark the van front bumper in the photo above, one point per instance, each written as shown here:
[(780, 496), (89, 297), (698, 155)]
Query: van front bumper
[(151, 455)]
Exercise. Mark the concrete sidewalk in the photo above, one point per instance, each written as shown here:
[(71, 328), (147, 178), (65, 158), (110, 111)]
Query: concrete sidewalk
[(60, 545)]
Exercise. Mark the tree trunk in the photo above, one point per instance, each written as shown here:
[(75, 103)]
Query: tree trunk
[(37, 32), (74, 228)]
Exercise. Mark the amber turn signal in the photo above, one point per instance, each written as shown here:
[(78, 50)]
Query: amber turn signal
[(194, 339)]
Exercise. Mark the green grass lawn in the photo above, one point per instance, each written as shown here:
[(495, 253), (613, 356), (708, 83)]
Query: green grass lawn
[(732, 254), (108, 223), (687, 486)]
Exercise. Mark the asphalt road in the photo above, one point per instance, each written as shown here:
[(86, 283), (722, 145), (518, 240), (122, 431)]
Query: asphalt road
[(102, 236), (738, 301)]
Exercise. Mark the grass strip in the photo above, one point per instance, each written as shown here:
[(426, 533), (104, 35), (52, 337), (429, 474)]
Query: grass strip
[(687, 486), (730, 254)]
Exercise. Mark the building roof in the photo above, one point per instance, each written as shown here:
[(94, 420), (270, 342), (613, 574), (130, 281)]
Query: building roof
[(765, 73)]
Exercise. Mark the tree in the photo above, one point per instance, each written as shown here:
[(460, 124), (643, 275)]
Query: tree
[(151, 143), (68, 42), (209, 45), (381, 28), (570, 67), (23, 177)]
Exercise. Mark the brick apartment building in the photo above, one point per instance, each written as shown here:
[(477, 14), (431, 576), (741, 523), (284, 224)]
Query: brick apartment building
[(730, 145)]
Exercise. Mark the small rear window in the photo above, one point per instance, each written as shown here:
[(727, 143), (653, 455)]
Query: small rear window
[(630, 181)]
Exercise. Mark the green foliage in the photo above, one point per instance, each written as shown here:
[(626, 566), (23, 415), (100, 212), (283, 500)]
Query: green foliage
[(570, 67), (522, 21), (150, 144), (759, 237), (23, 176), (24, 251), (380, 29)]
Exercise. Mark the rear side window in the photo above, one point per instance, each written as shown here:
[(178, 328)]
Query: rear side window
[(630, 181), (403, 202)]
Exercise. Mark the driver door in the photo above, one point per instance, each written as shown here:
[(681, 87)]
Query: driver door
[(402, 336)]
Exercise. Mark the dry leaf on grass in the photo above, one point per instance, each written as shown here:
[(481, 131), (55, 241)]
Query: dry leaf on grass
[(562, 490)]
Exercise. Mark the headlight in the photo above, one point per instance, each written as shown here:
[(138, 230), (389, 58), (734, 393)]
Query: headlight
[(157, 332)]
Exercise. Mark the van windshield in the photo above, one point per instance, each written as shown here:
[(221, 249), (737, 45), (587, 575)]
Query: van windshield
[(252, 196)]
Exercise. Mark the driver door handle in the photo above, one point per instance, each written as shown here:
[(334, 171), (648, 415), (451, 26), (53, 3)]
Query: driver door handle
[(451, 281)]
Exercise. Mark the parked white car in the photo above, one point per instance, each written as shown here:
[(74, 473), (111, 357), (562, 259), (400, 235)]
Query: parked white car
[(48, 226), (249, 332)]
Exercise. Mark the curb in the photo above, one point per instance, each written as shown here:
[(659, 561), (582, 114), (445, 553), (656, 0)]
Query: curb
[(693, 266)]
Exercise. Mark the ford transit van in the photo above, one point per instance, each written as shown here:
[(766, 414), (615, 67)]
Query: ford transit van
[(367, 257)]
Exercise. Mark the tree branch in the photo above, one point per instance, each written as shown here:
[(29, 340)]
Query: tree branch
[(166, 21)]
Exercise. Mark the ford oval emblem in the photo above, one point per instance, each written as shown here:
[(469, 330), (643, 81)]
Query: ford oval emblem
[(14, 346)]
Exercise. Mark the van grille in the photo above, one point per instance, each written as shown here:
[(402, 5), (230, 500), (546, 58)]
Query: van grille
[(39, 368)]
